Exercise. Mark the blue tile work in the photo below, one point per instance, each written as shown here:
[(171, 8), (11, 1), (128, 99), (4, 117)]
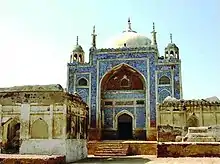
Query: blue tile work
[(119, 109), (140, 117), (84, 93), (163, 94), (79, 76), (164, 73), (108, 117), (140, 65), (124, 96), (169, 88), (93, 98), (177, 84), (103, 60)]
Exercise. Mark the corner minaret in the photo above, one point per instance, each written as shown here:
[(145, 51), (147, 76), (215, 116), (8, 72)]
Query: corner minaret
[(94, 38), (77, 53), (171, 50)]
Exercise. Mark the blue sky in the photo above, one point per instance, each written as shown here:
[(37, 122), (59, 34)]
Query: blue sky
[(37, 36)]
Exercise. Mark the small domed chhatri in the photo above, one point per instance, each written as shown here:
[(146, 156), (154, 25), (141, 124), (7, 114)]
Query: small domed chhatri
[(122, 83), (128, 38), (77, 47)]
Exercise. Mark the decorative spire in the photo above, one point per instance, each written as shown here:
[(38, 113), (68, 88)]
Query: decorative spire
[(128, 29), (94, 38), (171, 38), (77, 40), (153, 27), (154, 35), (129, 24)]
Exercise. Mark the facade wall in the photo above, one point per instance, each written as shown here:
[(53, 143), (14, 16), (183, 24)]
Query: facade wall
[(173, 118), (143, 60), (73, 149), (178, 115), (56, 118)]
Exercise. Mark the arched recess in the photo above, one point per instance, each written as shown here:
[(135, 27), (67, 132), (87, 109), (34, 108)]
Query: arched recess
[(118, 87), (163, 94), (82, 82), (13, 134), (39, 129), (192, 121), (164, 80), (113, 79)]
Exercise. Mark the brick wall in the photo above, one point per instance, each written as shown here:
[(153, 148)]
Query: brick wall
[(187, 149)]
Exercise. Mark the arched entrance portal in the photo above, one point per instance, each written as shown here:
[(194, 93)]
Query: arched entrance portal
[(123, 88), (125, 127)]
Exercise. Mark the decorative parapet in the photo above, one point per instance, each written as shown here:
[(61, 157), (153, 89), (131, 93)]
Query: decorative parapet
[(186, 104), (125, 50), (39, 94), (33, 88)]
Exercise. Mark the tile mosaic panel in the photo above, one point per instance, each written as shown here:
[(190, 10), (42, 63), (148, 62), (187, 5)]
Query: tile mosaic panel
[(110, 95), (140, 117), (108, 117), (119, 109)]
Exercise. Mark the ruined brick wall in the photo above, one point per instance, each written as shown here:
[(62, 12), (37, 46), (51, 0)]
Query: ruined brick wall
[(33, 110), (188, 149), (174, 117)]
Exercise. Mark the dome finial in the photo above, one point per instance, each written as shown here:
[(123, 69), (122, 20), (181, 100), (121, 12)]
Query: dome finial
[(77, 40), (93, 30), (128, 29), (171, 38), (129, 23), (153, 27)]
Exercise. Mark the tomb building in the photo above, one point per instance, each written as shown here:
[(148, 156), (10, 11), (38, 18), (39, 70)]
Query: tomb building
[(43, 119), (123, 82)]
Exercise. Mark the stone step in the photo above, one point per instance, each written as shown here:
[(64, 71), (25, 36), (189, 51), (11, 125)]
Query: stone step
[(105, 145), (109, 153), (111, 147), (111, 150)]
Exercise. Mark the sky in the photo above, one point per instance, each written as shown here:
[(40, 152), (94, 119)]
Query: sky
[(37, 36)]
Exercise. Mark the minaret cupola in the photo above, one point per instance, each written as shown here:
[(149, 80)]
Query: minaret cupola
[(171, 50), (77, 53)]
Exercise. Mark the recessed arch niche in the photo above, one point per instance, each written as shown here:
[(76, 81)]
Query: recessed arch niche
[(123, 77)]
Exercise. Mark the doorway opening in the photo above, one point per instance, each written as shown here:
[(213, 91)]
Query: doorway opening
[(13, 138), (125, 131)]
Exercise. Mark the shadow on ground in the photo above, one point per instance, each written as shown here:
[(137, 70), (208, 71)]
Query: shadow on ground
[(114, 160)]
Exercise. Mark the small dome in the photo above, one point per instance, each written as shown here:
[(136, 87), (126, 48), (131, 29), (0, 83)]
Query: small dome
[(171, 45), (78, 48), (128, 38)]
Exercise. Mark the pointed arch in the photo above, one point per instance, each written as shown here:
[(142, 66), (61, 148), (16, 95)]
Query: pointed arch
[(193, 121), (112, 79), (82, 82), (163, 94), (164, 80), (39, 129), (122, 113)]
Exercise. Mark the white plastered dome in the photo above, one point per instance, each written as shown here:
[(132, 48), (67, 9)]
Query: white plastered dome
[(128, 38)]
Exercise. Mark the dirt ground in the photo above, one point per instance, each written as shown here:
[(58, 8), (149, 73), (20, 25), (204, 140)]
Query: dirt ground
[(148, 160)]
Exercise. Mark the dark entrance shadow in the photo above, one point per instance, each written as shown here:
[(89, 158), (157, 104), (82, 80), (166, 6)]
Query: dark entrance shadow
[(124, 127)]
